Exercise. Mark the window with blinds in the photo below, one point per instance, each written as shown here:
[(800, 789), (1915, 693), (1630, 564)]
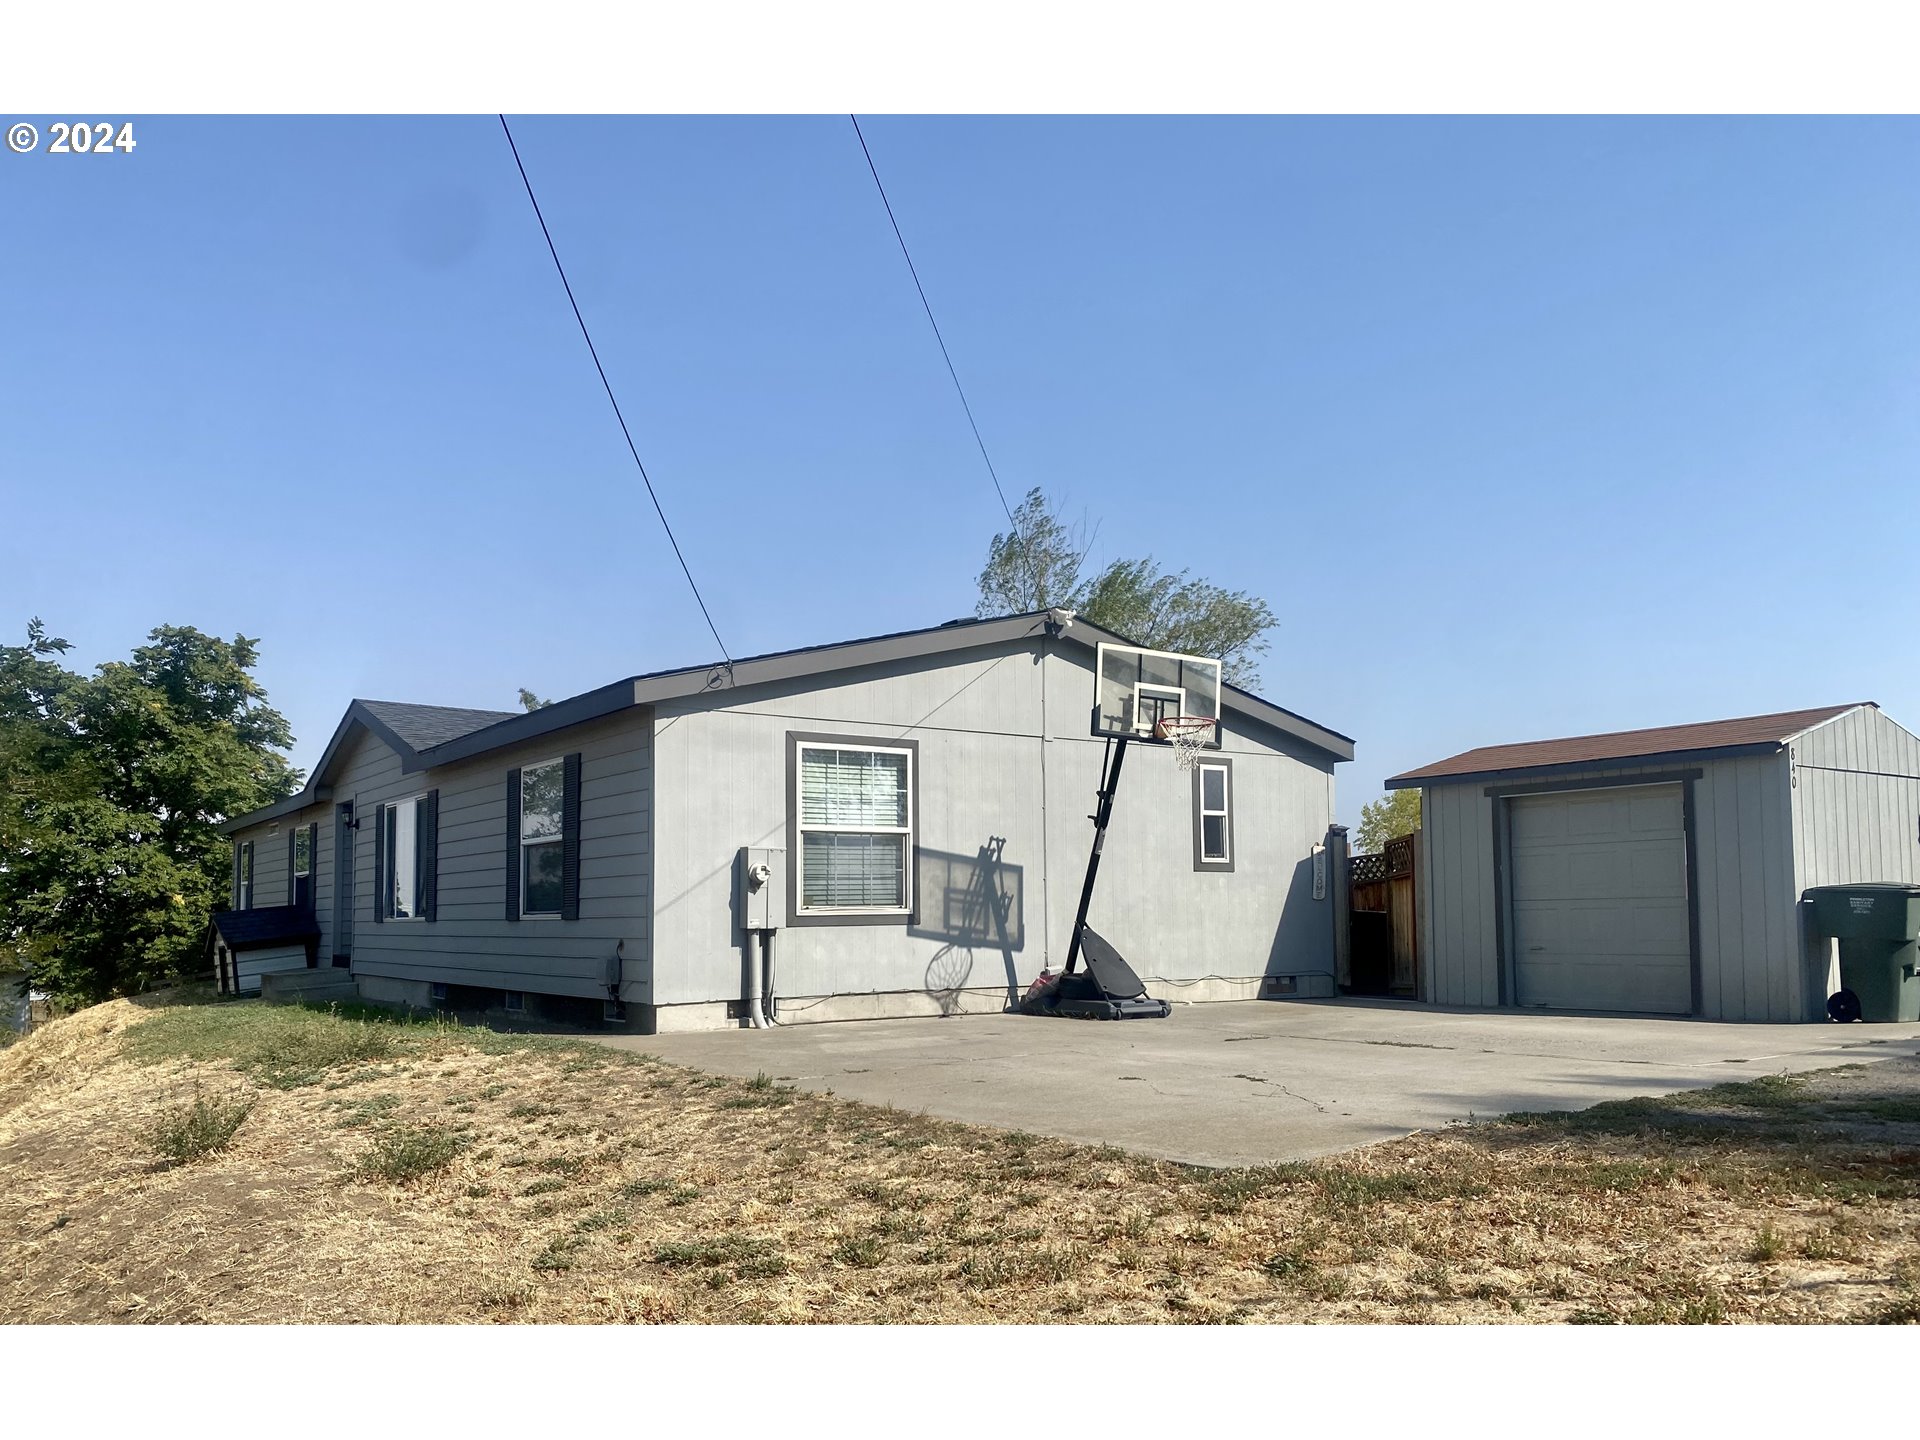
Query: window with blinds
[(856, 827)]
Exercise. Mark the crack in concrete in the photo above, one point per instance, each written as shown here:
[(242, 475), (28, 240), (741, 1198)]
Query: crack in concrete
[(1340, 1040), (1301, 1098), (1294, 1094)]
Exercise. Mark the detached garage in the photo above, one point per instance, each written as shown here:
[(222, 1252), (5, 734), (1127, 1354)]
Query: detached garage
[(1659, 871)]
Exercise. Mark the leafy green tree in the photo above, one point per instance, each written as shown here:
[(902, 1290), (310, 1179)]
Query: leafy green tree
[(1037, 568), (112, 786), (1042, 564), (531, 702), (1394, 814)]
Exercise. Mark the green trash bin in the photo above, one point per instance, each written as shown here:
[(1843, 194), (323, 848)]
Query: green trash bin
[(1877, 926)]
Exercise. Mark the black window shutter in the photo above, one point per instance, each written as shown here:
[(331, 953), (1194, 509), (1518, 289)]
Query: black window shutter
[(313, 859), (570, 838), (382, 887), (513, 844), (430, 856)]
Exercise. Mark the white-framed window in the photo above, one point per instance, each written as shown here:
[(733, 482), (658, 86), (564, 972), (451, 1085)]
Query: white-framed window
[(243, 877), (403, 886), (300, 864), (542, 836), (1213, 816), (855, 822)]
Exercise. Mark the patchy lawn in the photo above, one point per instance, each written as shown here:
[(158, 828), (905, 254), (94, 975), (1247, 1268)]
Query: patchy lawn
[(235, 1162)]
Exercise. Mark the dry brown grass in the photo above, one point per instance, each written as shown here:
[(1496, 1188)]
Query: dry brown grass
[(557, 1183)]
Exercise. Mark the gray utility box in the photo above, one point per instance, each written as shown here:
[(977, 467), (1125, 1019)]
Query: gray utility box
[(1877, 926), (760, 888)]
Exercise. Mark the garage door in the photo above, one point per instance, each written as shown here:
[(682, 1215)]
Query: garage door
[(1600, 900)]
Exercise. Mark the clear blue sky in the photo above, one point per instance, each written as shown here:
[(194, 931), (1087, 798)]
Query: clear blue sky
[(1524, 427)]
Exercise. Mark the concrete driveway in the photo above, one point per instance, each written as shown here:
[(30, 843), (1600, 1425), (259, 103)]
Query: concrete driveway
[(1253, 1082)]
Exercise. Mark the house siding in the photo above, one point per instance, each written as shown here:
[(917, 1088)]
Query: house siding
[(471, 942), (1856, 802), (252, 964), (1003, 751), (1856, 817), (1750, 949), (273, 876)]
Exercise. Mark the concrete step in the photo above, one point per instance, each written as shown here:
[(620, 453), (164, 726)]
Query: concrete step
[(307, 987)]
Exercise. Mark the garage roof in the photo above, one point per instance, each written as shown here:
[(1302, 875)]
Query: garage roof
[(1751, 733)]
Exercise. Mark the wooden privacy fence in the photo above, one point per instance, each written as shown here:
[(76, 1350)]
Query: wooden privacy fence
[(1383, 919)]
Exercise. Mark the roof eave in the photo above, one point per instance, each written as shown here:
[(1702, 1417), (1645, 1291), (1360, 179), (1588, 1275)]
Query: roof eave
[(1807, 730), (1332, 741), (301, 800), (560, 715), (317, 789), (671, 685), (1416, 780)]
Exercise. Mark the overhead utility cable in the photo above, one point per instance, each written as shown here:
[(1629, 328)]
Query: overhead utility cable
[(634, 449), (913, 270)]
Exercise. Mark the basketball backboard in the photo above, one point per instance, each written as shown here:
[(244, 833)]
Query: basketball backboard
[(1133, 688)]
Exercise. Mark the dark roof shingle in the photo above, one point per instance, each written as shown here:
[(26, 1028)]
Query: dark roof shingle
[(1624, 745), (423, 726)]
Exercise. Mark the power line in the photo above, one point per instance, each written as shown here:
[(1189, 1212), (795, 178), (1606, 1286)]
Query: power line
[(634, 449), (959, 389)]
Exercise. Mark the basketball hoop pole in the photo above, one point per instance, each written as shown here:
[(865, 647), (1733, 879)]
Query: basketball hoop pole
[(1103, 812)]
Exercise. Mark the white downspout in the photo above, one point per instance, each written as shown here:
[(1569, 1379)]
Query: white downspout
[(766, 978), (753, 981)]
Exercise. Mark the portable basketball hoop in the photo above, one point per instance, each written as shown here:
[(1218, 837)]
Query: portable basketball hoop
[(1188, 734), (1140, 697)]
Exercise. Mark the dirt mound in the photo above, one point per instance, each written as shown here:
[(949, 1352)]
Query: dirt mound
[(65, 1051)]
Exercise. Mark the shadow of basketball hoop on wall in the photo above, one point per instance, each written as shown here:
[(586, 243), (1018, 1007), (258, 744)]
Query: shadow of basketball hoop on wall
[(972, 903), (947, 976)]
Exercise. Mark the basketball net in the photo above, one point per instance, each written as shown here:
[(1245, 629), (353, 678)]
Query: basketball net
[(1188, 734)]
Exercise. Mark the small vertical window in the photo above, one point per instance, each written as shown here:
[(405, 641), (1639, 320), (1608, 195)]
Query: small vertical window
[(243, 896), (300, 843), (542, 835), (402, 887), (1213, 816)]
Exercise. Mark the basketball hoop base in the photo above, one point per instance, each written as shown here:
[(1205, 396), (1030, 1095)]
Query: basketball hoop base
[(1107, 989)]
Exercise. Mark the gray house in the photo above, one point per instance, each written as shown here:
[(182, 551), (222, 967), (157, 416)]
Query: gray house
[(1660, 871), (591, 853)]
